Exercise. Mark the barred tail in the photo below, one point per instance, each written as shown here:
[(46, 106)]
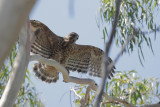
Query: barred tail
[(46, 73)]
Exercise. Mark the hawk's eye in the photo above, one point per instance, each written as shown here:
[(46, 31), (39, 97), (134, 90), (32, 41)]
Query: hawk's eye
[(73, 36), (77, 37)]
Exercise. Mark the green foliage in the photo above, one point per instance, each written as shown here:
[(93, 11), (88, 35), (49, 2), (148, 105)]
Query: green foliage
[(129, 87), (27, 96), (136, 19)]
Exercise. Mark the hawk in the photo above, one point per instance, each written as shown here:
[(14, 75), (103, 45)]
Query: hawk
[(74, 57)]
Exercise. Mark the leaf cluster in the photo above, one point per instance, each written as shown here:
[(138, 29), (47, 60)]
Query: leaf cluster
[(129, 87), (136, 18), (134, 90)]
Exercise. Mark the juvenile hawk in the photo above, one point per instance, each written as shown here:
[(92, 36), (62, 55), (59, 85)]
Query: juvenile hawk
[(74, 57)]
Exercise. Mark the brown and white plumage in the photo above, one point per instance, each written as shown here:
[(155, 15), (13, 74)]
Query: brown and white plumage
[(81, 58)]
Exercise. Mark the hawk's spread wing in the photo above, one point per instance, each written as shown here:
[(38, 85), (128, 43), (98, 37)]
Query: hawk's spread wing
[(85, 59), (46, 40), (46, 44)]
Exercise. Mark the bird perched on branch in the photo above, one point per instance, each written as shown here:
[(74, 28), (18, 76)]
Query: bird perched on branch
[(74, 57)]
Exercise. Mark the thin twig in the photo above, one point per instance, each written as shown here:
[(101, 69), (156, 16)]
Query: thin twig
[(76, 93), (82, 100), (152, 31)]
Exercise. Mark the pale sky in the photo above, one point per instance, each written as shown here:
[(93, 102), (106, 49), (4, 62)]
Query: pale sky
[(55, 14)]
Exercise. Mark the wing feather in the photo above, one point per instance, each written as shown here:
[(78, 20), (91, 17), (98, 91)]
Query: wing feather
[(87, 59), (43, 44)]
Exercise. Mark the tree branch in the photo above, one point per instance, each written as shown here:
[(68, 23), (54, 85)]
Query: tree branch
[(152, 105), (152, 31), (94, 87), (18, 70), (105, 65), (13, 15), (91, 83)]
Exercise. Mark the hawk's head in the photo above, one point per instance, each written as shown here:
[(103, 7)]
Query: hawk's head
[(70, 39)]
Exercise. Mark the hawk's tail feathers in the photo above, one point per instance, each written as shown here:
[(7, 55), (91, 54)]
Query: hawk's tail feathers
[(42, 73)]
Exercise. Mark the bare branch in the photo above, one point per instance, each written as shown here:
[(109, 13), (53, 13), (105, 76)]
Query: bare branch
[(105, 65), (76, 93), (84, 81), (107, 102), (91, 83), (94, 87), (13, 15)]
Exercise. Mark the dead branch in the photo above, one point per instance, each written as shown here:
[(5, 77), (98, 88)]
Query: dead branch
[(92, 84), (13, 15)]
